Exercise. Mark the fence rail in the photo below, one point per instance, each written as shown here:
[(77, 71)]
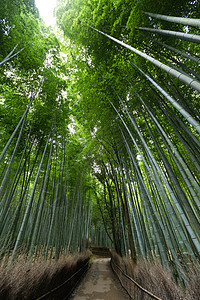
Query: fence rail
[(132, 280)]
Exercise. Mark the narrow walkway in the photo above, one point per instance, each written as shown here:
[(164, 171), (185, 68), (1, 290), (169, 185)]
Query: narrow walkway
[(100, 283)]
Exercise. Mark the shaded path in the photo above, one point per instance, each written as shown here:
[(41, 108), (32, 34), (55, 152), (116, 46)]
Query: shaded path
[(100, 283)]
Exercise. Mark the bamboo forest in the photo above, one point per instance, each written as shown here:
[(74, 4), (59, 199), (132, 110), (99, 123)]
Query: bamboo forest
[(100, 132)]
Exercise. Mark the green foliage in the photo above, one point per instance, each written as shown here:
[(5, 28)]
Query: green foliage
[(20, 25), (132, 163)]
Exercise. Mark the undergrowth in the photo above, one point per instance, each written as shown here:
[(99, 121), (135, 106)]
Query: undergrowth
[(156, 279), (25, 280)]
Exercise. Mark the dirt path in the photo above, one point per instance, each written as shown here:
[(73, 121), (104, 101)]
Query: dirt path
[(100, 283)]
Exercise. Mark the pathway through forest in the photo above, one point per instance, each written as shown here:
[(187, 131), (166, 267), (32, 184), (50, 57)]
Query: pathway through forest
[(100, 283)]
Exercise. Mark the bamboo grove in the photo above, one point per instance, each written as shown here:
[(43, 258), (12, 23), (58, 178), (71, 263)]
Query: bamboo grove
[(100, 132)]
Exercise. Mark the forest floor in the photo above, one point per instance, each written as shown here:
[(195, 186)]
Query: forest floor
[(100, 283)]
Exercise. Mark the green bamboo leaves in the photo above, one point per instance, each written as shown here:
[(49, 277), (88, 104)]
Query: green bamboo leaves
[(185, 78), (11, 55)]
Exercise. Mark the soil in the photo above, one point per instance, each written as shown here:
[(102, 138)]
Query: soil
[(100, 283)]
